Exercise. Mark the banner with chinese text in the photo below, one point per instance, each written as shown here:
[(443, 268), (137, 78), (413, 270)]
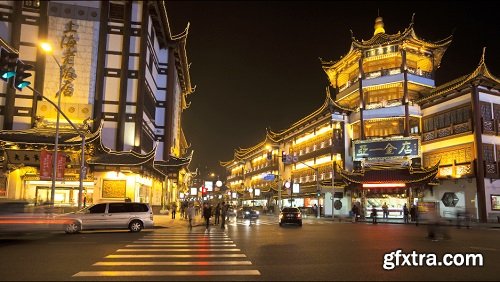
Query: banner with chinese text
[(387, 148)]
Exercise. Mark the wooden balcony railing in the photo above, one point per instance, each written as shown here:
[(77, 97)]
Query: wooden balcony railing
[(447, 131)]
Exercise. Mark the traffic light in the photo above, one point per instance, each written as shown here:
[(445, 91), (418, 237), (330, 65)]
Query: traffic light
[(283, 156), (8, 63), (21, 75), (269, 155), (203, 191)]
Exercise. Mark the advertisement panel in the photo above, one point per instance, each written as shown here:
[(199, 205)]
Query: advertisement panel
[(45, 165)]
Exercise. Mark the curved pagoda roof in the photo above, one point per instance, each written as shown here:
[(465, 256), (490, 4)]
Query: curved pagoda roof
[(328, 105), (481, 72), (241, 154), (46, 136), (105, 156), (404, 175), (380, 38)]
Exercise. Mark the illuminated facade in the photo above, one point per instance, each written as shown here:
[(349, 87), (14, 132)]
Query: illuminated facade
[(389, 135), (128, 80)]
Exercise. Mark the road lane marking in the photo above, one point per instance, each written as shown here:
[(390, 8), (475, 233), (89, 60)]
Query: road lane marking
[(167, 273), (178, 250), (178, 241), (191, 239), (182, 245), (179, 256), (174, 263)]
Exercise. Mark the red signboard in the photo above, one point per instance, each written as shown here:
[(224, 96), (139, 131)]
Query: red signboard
[(46, 165)]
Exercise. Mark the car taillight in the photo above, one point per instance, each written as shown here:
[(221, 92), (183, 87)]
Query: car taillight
[(151, 215)]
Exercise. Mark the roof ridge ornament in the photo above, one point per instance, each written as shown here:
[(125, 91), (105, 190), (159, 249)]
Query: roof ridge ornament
[(379, 26)]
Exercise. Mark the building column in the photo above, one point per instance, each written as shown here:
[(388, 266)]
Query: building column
[(361, 98), (406, 102), (141, 85), (43, 30), (478, 141)]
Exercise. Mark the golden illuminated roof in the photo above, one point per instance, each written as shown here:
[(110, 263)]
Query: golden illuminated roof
[(380, 38), (480, 72)]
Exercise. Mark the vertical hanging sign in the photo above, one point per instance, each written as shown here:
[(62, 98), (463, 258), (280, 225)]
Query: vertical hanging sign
[(45, 165), (61, 164)]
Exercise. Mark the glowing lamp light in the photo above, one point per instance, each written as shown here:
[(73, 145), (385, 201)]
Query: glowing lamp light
[(384, 185), (287, 184)]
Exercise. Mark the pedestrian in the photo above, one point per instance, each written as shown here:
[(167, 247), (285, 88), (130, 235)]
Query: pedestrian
[(190, 215), (224, 214), (355, 212), (385, 211), (374, 215), (413, 213), (174, 210), (405, 213), (217, 213), (207, 213)]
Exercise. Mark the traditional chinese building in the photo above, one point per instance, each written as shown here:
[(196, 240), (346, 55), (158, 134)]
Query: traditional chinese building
[(126, 79), (389, 135)]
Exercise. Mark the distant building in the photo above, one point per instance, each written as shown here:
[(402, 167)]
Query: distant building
[(126, 80), (388, 135)]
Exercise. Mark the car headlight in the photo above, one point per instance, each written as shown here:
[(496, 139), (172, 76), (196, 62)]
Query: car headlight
[(257, 212), (247, 212)]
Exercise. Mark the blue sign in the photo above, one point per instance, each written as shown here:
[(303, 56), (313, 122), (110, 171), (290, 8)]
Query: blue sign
[(269, 177)]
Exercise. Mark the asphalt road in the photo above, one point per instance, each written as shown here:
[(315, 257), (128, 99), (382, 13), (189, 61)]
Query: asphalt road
[(319, 250)]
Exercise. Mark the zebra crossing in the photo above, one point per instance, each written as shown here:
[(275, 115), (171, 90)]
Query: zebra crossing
[(175, 254)]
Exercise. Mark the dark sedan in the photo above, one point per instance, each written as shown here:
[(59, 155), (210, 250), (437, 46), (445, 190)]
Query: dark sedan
[(291, 215), (247, 212)]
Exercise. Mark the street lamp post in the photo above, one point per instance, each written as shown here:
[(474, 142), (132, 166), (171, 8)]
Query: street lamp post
[(81, 134), (48, 49)]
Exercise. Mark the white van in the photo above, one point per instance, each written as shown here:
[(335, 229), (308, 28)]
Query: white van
[(124, 215)]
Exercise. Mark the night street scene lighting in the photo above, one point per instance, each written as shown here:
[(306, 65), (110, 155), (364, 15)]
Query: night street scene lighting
[(249, 141)]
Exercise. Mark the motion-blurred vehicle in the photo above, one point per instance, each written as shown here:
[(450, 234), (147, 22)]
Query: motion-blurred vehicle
[(290, 215), (231, 211), (127, 215), (247, 213), (18, 218)]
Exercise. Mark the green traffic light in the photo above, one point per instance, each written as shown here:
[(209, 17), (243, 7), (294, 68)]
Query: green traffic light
[(8, 74), (22, 85)]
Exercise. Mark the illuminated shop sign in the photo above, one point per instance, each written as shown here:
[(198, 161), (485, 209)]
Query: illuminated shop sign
[(387, 148)]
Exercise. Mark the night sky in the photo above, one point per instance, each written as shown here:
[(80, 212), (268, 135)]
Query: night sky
[(256, 64)]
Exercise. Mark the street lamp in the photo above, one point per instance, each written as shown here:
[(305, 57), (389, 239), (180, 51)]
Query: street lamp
[(82, 157), (47, 48)]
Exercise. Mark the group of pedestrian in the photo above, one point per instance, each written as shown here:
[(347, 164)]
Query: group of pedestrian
[(220, 214)]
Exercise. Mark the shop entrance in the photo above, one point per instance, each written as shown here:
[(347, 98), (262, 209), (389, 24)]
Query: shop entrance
[(395, 199)]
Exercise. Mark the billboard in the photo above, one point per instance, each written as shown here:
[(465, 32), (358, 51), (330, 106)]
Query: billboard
[(386, 148)]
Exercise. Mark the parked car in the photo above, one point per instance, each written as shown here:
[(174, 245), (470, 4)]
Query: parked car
[(290, 215), (247, 213), (127, 215)]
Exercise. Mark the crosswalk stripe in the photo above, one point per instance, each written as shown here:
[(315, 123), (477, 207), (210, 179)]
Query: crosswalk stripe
[(178, 250), (167, 273), (181, 245), (174, 263), (179, 241), (192, 239), (179, 256)]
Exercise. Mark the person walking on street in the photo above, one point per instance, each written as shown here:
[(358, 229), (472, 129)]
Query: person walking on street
[(385, 211), (190, 214), (405, 213), (174, 209), (207, 213), (223, 214), (217, 213), (374, 215)]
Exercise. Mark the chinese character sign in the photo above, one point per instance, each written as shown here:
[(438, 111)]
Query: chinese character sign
[(45, 165), (388, 148)]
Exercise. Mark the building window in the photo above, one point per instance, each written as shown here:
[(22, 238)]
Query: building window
[(488, 152), (116, 11)]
